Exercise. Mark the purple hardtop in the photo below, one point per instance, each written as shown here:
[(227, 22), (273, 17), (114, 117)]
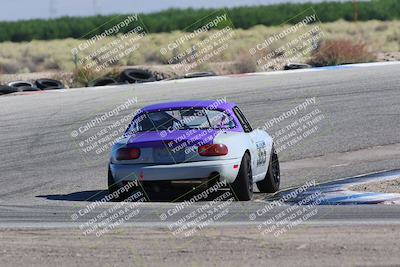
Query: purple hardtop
[(177, 137), (211, 104)]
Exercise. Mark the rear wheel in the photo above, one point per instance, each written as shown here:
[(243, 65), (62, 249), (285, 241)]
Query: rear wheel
[(272, 179), (242, 187)]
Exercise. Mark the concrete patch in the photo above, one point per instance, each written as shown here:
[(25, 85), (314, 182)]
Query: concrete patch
[(391, 186)]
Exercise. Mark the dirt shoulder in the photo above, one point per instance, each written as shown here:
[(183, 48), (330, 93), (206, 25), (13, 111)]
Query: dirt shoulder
[(392, 186), (304, 245)]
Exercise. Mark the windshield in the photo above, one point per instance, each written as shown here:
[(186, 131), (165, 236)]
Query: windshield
[(181, 119)]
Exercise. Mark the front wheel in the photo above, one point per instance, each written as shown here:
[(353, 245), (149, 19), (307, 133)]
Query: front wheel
[(270, 184), (242, 187)]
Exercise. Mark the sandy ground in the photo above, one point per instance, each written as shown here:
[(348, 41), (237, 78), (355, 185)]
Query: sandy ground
[(392, 186), (303, 245)]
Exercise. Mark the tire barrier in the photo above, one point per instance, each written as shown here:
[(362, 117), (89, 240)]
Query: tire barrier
[(5, 89), (49, 84), (18, 84), (103, 81), (136, 76)]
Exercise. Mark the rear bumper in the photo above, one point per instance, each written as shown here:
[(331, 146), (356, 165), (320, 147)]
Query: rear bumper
[(180, 171)]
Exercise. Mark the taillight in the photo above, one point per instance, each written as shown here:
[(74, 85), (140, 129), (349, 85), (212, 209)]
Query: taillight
[(213, 150), (128, 153)]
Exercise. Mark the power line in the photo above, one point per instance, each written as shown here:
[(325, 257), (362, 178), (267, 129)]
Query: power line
[(52, 8), (96, 7)]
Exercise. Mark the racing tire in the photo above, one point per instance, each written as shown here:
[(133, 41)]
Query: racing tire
[(136, 76), (242, 187), (48, 84), (271, 182)]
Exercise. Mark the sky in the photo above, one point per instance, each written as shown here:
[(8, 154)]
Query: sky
[(12, 10)]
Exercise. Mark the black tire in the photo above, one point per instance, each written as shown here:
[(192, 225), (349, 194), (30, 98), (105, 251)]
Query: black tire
[(199, 74), (5, 89), (48, 84), (21, 84), (296, 66), (242, 187), (136, 76), (28, 89), (103, 82), (272, 179)]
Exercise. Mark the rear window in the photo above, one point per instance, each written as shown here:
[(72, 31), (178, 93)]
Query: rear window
[(181, 119)]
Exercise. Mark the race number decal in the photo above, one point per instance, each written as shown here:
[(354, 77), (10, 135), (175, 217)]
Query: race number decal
[(261, 153)]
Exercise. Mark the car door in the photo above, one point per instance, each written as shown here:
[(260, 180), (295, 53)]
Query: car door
[(259, 145)]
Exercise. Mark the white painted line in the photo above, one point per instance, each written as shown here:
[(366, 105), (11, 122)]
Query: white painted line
[(327, 222), (339, 165), (374, 64)]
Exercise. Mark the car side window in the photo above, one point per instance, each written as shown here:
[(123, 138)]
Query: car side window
[(242, 119)]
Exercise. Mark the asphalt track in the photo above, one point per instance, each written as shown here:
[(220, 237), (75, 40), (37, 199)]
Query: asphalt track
[(45, 177)]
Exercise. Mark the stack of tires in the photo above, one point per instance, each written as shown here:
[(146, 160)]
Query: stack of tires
[(126, 76), (23, 86)]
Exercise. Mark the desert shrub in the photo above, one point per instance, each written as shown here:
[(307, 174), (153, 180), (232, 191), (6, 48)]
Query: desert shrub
[(81, 76), (341, 51), (382, 27), (8, 67), (244, 63), (394, 37)]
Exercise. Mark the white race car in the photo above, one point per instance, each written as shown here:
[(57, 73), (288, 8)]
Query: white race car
[(194, 141)]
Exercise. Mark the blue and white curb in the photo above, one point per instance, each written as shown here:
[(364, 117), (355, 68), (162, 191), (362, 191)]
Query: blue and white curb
[(338, 192)]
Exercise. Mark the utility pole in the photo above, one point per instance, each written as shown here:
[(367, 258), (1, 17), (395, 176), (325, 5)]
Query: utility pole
[(355, 10), (52, 9), (96, 7)]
